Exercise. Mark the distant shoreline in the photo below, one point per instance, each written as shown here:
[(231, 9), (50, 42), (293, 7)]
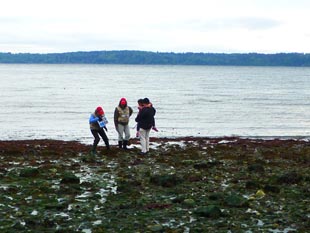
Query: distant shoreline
[(132, 57)]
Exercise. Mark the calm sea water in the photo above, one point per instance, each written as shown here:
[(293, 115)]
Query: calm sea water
[(55, 101)]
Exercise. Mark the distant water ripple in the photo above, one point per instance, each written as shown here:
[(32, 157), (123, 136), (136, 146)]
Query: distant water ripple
[(54, 101)]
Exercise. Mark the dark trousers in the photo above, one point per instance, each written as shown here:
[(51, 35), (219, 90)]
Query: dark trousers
[(104, 137)]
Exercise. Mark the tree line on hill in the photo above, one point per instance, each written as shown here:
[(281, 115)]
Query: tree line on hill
[(159, 58)]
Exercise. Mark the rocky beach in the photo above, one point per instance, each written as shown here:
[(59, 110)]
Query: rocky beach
[(183, 185)]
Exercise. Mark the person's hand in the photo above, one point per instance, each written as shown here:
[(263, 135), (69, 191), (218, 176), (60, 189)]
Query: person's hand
[(106, 129)]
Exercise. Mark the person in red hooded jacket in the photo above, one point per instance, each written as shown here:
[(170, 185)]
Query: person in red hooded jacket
[(97, 123), (122, 114)]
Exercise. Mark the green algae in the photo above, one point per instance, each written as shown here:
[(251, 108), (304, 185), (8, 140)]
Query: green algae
[(201, 185)]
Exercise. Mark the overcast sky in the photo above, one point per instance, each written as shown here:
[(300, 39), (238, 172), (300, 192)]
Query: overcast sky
[(221, 26)]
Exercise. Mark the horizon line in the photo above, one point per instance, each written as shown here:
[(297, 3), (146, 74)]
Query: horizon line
[(160, 52)]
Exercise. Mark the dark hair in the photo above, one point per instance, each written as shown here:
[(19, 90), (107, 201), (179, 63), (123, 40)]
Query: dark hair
[(140, 101), (146, 101)]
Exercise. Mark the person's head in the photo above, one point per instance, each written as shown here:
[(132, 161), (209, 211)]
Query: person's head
[(146, 101), (99, 111), (140, 102), (123, 102)]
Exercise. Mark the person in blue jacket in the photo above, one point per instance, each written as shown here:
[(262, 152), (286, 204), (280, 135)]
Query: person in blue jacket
[(97, 123)]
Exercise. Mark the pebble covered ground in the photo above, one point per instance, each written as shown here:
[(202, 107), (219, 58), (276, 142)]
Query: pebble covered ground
[(182, 185)]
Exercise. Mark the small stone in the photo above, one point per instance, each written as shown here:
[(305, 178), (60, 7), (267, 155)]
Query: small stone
[(235, 200), (70, 178), (260, 194), (189, 202), (259, 168), (29, 172), (155, 228), (211, 211)]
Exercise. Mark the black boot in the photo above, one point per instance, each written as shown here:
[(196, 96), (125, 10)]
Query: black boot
[(120, 143), (125, 143), (93, 150)]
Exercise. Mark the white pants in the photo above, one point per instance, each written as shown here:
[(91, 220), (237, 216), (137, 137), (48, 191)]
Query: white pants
[(121, 129), (144, 139)]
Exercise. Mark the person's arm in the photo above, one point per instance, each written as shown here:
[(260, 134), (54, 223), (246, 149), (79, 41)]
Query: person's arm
[(153, 123), (138, 117), (130, 111), (93, 119), (116, 115)]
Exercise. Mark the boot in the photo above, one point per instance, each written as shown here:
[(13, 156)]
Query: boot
[(93, 150), (107, 144), (120, 143), (125, 143)]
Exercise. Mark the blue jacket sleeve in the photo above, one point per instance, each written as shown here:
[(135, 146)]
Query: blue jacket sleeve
[(93, 119)]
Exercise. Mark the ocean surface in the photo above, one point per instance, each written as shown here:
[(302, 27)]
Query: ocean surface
[(55, 101)]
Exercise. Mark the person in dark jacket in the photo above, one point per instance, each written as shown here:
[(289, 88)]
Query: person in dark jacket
[(122, 114), (97, 123), (140, 106), (146, 122)]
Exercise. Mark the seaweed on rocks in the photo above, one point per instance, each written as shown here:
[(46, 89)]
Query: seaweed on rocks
[(183, 185)]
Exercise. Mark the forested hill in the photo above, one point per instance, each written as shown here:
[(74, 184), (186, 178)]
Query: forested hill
[(160, 58)]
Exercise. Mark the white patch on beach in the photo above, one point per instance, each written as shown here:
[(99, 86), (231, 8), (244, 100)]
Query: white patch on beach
[(226, 141), (34, 212), (286, 230)]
